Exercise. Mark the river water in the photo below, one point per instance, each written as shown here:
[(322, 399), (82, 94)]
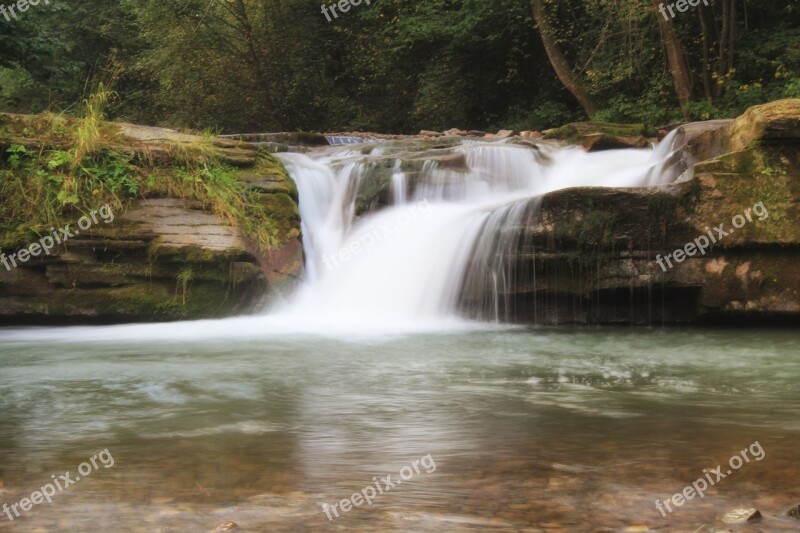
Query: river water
[(529, 430), (369, 370)]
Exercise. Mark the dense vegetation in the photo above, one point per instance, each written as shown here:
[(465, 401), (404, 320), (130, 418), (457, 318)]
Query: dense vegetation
[(402, 65)]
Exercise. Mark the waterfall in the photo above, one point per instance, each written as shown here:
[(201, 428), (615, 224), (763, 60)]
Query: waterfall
[(445, 226), (396, 239)]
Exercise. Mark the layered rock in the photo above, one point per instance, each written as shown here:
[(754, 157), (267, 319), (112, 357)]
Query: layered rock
[(590, 255), (165, 257)]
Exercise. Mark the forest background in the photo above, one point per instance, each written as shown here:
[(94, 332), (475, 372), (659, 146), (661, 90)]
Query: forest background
[(398, 66)]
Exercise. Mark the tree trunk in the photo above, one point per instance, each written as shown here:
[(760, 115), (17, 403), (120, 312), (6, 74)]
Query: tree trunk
[(707, 39), (722, 64), (560, 64), (677, 62), (732, 38)]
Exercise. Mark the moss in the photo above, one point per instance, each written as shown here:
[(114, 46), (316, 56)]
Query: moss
[(152, 301), (146, 300), (774, 123), (272, 167), (743, 179), (285, 214), (572, 132)]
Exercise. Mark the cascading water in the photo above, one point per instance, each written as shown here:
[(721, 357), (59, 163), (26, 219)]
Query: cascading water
[(447, 228)]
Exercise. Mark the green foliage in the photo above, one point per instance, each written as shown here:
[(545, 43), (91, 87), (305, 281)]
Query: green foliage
[(623, 109), (703, 110), (792, 89), (115, 172), (549, 114), (393, 66)]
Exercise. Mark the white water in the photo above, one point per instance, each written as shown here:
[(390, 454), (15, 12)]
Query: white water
[(407, 264), (400, 269)]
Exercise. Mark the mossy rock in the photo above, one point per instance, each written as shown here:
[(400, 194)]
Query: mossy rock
[(176, 249), (285, 214), (573, 131), (773, 123), (732, 184), (598, 136)]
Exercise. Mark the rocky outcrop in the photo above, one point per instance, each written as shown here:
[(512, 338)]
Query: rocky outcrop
[(599, 136), (280, 142), (722, 245), (164, 257)]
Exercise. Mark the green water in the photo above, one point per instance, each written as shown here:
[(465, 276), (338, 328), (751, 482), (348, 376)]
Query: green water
[(545, 430)]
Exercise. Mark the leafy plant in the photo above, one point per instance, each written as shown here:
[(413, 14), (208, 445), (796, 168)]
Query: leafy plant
[(17, 153), (114, 172), (184, 280)]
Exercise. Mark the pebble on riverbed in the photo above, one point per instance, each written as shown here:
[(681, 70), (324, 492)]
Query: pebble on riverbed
[(227, 525), (741, 515)]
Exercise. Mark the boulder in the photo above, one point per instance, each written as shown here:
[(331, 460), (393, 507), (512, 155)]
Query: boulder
[(769, 124)]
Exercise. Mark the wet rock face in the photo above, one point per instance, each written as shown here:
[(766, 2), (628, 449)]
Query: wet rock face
[(593, 256)]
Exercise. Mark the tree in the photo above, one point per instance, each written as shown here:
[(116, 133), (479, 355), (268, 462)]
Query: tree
[(678, 68), (560, 64)]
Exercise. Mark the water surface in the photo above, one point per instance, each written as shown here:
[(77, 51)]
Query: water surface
[(543, 430)]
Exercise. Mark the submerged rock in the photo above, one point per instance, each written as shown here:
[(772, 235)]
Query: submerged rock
[(741, 515)]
